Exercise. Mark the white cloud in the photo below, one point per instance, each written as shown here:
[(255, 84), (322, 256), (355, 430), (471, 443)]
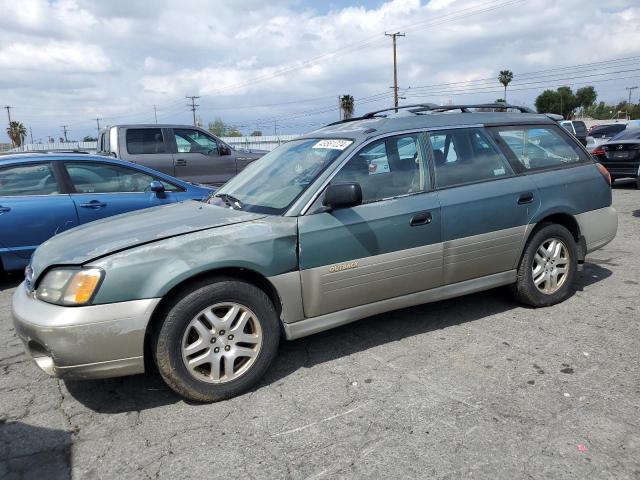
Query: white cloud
[(68, 61)]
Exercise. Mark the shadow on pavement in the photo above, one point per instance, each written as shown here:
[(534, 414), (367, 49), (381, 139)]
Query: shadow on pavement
[(625, 184), (142, 392), (10, 280), (34, 452)]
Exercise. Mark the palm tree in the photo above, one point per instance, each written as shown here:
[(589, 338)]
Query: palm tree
[(505, 78), (16, 132), (347, 104)]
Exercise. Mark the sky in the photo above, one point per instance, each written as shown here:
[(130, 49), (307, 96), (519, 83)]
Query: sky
[(280, 65)]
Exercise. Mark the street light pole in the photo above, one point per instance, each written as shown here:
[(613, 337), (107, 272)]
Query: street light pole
[(630, 89)]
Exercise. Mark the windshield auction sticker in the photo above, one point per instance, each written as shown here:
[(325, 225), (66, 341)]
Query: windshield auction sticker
[(333, 144)]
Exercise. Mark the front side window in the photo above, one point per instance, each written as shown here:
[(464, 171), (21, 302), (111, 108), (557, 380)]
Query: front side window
[(539, 147), (194, 141), (386, 168), (141, 141), (31, 179), (105, 178), (466, 155), (273, 182)]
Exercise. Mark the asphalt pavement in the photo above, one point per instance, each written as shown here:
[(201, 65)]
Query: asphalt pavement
[(474, 387)]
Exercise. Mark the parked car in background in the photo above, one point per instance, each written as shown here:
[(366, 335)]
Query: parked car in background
[(577, 128), (621, 155), (186, 152), (312, 237), (599, 134), (43, 195)]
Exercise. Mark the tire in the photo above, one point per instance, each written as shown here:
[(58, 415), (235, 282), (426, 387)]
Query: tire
[(180, 338), (544, 295)]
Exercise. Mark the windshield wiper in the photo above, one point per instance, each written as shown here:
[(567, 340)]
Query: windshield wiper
[(230, 200)]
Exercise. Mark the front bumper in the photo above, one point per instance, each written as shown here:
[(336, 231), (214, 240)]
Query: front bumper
[(95, 341)]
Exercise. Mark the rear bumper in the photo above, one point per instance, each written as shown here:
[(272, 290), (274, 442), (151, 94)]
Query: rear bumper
[(96, 341), (598, 227)]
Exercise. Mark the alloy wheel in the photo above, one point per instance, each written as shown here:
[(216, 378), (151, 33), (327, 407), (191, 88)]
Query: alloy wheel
[(551, 265)]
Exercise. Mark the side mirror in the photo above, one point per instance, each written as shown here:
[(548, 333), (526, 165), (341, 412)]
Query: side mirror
[(224, 149), (158, 188), (343, 195)]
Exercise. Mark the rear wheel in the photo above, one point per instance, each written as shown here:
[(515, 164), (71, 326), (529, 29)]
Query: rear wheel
[(547, 268), (217, 340)]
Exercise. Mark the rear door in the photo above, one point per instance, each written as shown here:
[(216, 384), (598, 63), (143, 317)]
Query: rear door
[(201, 158), (103, 189), (148, 147), (33, 208), (387, 247), (486, 207)]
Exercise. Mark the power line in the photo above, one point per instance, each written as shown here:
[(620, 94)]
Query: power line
[(193, 107)]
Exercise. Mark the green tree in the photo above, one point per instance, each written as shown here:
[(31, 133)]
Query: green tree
[(217, 127), (16, 132), (89, 138), (256, 133), (505, 78), (586, 97), (232, 132), (347, 105), (561, 101)]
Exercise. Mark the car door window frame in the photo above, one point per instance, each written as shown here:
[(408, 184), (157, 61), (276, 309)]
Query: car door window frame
[(62, 186), (492, 142), (72, 189), (515, 162)]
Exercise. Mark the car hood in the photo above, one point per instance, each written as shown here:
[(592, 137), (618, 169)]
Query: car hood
[(97, 239)]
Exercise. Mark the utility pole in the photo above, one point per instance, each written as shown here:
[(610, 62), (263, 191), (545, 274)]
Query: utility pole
[(275, 127), (339, 107), (31, 134), (98, 124), (155, 113), (9, 115), (64, 129), (193, 107), (630, 89), (395, 67)]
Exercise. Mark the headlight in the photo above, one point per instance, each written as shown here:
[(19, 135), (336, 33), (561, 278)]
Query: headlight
[(69, 286)]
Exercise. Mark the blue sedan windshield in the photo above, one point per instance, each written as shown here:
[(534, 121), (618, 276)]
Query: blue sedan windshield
[(273, 182)]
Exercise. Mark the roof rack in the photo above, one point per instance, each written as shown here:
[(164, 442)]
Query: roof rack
[(420, 108)]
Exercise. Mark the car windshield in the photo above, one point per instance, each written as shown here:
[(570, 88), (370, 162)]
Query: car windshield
[(272, 183), (631, 134)]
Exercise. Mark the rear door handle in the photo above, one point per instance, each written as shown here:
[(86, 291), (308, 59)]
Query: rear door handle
[(181, 162), (4, 209), (95, 204), (422, 218), (525, 198)]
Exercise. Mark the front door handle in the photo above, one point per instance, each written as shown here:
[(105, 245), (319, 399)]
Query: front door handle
[(4, 209), (525, 198), (422, 218), (181, 162), (95, 204)]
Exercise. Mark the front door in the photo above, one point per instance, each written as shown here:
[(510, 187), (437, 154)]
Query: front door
[(200, 159), (148, 147), (485, 207), (387, 247), (32, 210), (103, 189)]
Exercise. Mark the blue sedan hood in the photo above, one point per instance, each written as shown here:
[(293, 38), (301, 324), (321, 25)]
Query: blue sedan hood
[(97, 239)]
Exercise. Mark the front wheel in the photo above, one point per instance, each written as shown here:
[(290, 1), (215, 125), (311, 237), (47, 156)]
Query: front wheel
[(217, 340), (547, 268)]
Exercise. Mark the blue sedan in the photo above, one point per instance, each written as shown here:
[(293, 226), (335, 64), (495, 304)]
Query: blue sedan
[(45, 194)]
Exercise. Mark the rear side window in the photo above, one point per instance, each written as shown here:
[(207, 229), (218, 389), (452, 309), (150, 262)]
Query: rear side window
[(24, 180), (141, 141), (607, 130), (580, 128), (540, 147), (465, 156)]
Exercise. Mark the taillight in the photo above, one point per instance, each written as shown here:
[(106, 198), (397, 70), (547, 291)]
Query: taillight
[(598, 151), (604, 172)]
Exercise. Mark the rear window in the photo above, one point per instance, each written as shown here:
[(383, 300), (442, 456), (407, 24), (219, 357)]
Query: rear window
[(580, 128), (630, 134), (607, 130), (540, 147), (145, 141)]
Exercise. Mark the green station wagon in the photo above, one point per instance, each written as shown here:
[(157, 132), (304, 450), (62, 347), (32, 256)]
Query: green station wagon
[(385, 211)]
